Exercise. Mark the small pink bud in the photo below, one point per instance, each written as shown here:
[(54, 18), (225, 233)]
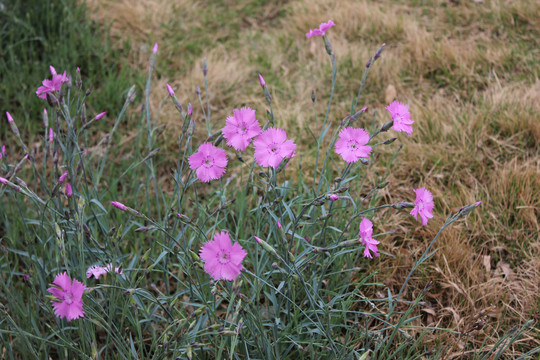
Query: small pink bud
[(155, 49), (3, 181), (189, 109), (334, 197), (170, 90), (51, 135), (69, 191), (100, 115), (9, 118), (307, 239), (364, 109), (53, 70), (477, 203), (119, 205), (259, 240), (63, 177), (3, 150), (261, 81), (278, 225), (26, 277)]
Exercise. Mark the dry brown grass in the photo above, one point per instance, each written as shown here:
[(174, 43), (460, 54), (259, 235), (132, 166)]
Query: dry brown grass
[(470, 72)]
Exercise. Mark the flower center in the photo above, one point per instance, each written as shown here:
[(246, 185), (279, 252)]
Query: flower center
[(68, 297), (224, 257), (242, 130), (208, 162), (273, 148)]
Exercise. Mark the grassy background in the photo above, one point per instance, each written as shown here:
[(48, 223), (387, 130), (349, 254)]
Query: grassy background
[(469, 71)]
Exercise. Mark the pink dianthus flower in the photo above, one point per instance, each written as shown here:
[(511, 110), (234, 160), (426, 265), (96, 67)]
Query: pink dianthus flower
[(53, 85), (423, 205), (401, 116), (272, 146), (222, 260), (209, 162), (323, 28), (366, 232), (68, 302), (352, 144), (241, 128)]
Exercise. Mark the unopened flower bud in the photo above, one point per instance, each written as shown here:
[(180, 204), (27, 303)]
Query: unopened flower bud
[(198, 90), (364, 161), (12, 124), (83, 114), (190, 109), (170, 90), (333, 197), (10, 184), (369, 62), (313, 96), (468, 208), (184, 218), (261, 81), (78, 80), (155, 49), (119, 205), (426, 289), (389, 141), (63, 177), (205, 67), (282, 165), (379, 52), (142, 228), (51, 135), (99, 116), (45, 119), (218, 140), (131, 94), (403, 205), (69, 191), (327, 45), (265, 245), (387, 126), (324, 217), (382, 185), (21, 181)]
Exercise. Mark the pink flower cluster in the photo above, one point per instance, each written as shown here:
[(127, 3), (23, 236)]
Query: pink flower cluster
[(53, 85), (241, 129)]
